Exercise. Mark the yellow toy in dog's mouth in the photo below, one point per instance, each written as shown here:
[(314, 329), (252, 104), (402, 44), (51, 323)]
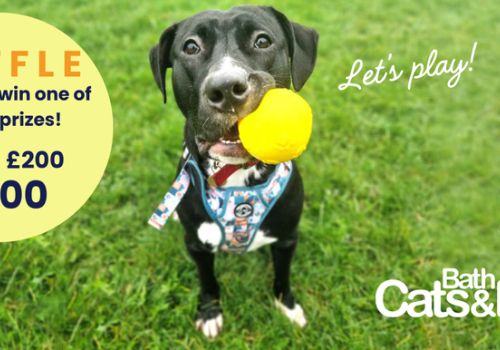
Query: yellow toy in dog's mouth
[(279, 129)]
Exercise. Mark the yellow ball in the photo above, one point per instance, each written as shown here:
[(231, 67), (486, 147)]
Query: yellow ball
[(279, 129)]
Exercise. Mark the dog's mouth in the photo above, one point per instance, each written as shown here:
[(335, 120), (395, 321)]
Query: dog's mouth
[(229, 146), (227, 149)]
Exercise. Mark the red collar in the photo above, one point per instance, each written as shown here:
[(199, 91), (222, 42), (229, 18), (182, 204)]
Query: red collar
[(220, 176)]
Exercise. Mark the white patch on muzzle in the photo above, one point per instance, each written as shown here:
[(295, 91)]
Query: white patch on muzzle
[(227, 65)]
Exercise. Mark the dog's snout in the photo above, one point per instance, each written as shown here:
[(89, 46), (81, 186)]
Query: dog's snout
[(227, 92)]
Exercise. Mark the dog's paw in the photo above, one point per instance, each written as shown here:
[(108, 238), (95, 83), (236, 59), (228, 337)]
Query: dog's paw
[(210, 327), (295, 314), (209, 317)]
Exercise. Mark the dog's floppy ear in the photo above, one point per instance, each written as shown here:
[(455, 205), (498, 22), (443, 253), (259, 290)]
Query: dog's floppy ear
[(302, 47), (159, 58)]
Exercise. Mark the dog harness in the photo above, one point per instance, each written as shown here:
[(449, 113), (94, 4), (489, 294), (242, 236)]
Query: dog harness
[(238, 211)]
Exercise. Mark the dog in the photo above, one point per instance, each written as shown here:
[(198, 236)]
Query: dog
[(223, 62)]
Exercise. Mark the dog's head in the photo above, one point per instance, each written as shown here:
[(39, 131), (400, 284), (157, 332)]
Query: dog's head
[(223, 62)]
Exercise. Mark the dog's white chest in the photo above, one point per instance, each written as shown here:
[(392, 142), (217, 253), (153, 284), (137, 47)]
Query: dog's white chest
[(260, 240)]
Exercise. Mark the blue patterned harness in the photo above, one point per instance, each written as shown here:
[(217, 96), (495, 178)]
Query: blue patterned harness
[(238, 211)]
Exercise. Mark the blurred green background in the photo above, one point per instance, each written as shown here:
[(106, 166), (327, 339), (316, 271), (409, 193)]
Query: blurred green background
[(399, 184)]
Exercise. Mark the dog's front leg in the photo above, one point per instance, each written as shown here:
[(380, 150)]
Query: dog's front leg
[(209, 315), (285, 301)]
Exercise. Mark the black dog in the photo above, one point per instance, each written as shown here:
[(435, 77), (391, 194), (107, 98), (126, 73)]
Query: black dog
[(223, 63)]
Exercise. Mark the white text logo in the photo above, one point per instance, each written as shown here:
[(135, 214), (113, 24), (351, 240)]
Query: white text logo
[(455, 289)]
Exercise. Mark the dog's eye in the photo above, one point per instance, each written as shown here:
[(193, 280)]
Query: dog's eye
[(191, 47), (262, 42)]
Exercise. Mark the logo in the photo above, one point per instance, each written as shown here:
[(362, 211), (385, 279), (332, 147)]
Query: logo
[(243, 210), (464, 293)]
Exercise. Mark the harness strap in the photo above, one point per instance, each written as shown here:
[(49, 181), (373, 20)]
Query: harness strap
[(171, 200)]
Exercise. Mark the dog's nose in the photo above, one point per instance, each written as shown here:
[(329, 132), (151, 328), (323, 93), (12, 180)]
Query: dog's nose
[(227, 91)]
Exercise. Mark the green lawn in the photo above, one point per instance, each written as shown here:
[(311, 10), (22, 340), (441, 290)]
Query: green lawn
[(399, 184)]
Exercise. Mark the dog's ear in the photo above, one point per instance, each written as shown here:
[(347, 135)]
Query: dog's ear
[(302, 47), (159, 58)]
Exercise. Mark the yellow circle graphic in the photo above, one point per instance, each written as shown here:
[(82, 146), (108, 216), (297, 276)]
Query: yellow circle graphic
[(56, 127)]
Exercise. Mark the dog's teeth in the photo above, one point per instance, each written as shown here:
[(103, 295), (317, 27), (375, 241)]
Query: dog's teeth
[(230, 142)]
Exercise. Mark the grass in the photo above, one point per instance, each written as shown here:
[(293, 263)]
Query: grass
[(399, 184)]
